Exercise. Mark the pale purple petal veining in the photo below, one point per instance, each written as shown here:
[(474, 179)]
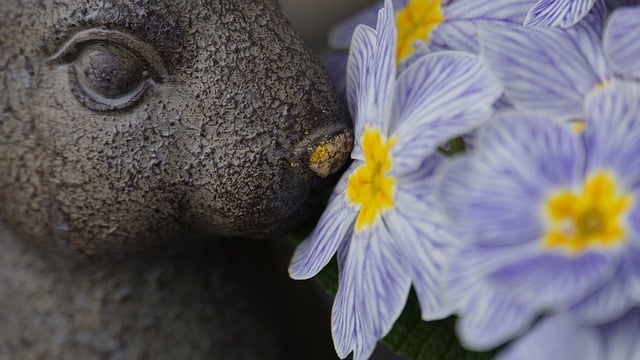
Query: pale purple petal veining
[(560, 13), (621, 43), (440, 96), (373, 289), (334, 227), (459, 31), (495, 196), (543, 70)]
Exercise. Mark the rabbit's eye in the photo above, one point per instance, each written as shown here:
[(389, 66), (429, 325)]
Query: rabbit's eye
[(110, 70)]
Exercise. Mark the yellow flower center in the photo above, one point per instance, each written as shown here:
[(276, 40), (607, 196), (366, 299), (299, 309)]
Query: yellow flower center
[(593, 218), (416, 21), (578, 126), (369, 186)]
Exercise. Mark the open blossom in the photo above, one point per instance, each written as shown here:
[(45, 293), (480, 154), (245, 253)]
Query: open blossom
[(441, 24), (552, 71), (381, 219), (425, 26), (550, 219)]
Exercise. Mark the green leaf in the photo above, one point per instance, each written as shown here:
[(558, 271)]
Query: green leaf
[(418, 339)]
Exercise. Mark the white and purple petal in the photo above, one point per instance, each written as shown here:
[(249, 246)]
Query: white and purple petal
[(420, 183), (421, 49), (621, 41), (558, 13), (373, 289), (440, 96), (422, 237), (495, 196), (493, 321), (620, 337), (617, 296), (587, 35), (359, 70), (547, 279), (487, 317), (349, 325), (459, 31), (371, 75), (334, 227), (630, 272), (612, 134), (543, 70), (557, 337)]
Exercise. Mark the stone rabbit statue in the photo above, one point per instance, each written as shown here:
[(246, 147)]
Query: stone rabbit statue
[(148, 151)]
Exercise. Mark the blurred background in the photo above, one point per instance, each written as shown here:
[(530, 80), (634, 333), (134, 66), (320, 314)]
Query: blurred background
[(314, 18)]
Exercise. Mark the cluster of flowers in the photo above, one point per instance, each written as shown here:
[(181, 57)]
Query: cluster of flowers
[(532, 235)]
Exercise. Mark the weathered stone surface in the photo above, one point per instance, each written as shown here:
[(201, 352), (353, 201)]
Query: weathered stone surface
[(130, 132), (207, 135)]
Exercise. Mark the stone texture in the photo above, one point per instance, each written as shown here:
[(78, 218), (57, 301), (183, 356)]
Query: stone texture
[(139, 141)]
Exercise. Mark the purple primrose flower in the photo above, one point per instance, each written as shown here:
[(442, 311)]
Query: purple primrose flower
[(549, 217), (426, 26), (551, 72), (381, 219)]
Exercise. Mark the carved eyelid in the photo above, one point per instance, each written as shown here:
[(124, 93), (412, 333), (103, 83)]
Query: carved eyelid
[(139, 48)]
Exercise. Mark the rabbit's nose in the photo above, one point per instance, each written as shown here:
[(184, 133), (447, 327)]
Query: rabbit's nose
[(326, 150)]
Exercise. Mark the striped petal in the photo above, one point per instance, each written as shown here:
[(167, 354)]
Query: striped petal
[(423, 238), (630, 272), (359, 67), (543, 70), (349, 325), (587, 35), (334, 227), (621, 337), (488, 317), (421, 183), (495, 195), (621, 41), (557, 337), (371, 75), (558, 13), (421, 49), (373, 290), (439, 97), (612, 136), (612, 139), (617, 296), (460, 29), (547, 280), (492, 322)]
